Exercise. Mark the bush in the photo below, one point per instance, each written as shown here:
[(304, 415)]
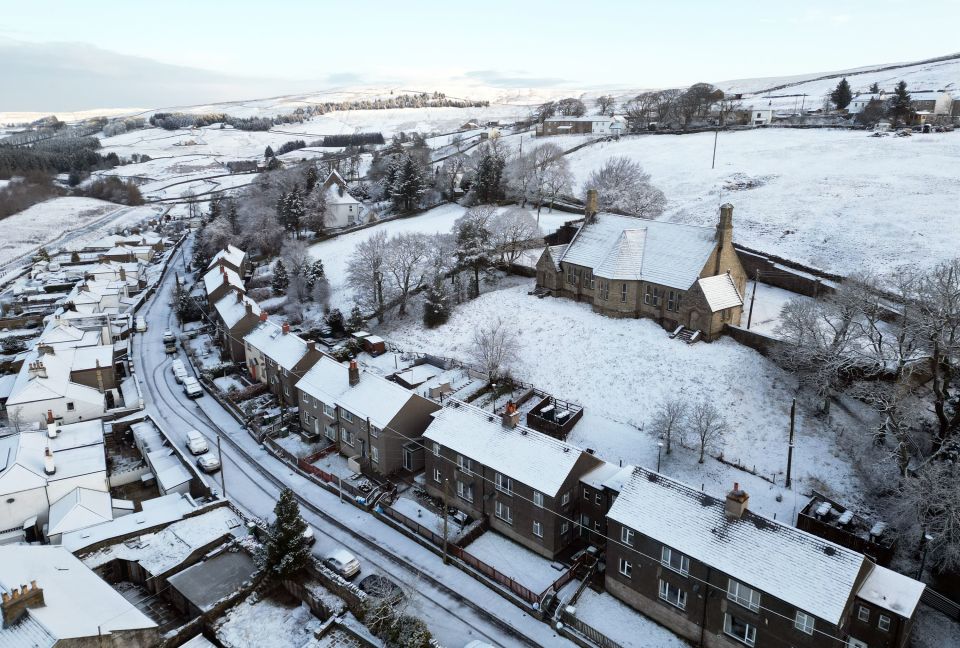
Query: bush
[(115, 190)]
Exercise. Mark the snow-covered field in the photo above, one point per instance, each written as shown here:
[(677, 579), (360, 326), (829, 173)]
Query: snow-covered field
[(620, 370), (834, 199)]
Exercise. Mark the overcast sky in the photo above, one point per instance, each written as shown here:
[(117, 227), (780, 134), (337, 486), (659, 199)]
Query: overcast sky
[(64, 54)]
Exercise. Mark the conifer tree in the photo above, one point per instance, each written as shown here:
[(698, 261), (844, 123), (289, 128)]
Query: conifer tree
[(436, 307), (280, 278), (841, 95), (42, 255), (356, 322), (900, 105), (285, 553), (268, 152), (311, 178), (874, 87)]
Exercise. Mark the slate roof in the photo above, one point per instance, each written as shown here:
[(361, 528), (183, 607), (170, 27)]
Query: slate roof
[(284, 349), (232, 311), (891, 591), (801, 569), (628, 248), (230, 254), (721, 292), (213, 279)]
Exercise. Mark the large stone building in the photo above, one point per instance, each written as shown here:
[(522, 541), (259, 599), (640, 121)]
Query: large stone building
[(680, 275)]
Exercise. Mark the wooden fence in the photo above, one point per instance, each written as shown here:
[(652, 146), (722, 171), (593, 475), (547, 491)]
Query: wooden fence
[(940, 603), (589, 632)]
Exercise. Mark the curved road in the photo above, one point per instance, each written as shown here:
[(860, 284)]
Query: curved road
[(456, 607)]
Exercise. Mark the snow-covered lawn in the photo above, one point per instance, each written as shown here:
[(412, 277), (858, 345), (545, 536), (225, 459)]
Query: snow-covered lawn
[(228, 383), (620, 370), (419, 513), (296, 445), (516, 561), (623, 624), (767, 305), (834, 199), (267, 622)]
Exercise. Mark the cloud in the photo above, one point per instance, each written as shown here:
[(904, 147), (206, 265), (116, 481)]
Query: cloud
[(514, 80)]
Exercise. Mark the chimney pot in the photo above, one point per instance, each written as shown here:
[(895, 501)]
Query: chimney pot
[(48, 466), (736, 503), (263, 316), (353, 373), (239, 296), (285, 328)]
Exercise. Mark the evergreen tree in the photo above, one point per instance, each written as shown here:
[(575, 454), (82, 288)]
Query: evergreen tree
[(187, 308), (436, 307), (408, 183), (356, 321), (268, 152), (488, 185), (294, 211), (311, 178), (216, 208), (312, 273), (841, 95), (280, 278), (232, 217), (282, 208), (874, 88), (473, 244), (74, 257), (285, 553), (900, 106), (42, 255), (335, 321)]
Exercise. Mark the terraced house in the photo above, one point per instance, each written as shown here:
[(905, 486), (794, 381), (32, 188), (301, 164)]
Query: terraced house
[(278, 358), (722, 576), (679, 275)]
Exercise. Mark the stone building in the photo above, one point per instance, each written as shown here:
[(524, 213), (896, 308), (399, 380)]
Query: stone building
[(682, 276)]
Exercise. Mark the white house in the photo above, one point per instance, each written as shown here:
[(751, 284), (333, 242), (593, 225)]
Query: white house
[(343, 209), (45, 384), (761, 116), (858, 103)]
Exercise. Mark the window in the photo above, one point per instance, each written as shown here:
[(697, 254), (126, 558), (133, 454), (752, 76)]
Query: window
[(626, 568), (286, 389), (329, 411), (346, 416), (503, 512), (330, 432), (565, 499), (626, 536), (648, 296), (538, 499), (564, 527), (604, 289), (374, 454), (374, 431), (436, 449), (437, 477), (571, 277), (673, 301), (657, 296), (863, 613), (623, 291), (803, 622), (69, 407), (504, 484), (463, 463), (673, 595), (675, 560), (465, 491), (598, 500), (596, 525), (883, 622), (538, 529), (346, 437), (739, 629), (586, 494), (588, 280), (743, 595)]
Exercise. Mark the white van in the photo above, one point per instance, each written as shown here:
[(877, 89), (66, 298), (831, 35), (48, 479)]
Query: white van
[(192, 388), (196, 443), (179, 370), (141, 324)]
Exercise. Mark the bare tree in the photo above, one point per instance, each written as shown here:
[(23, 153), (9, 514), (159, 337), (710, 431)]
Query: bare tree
[(406, 261), (932, 499), (622, 185), (494, 347), (511, 231), (709, 426), (367, 273), (670, 421), (639, 108), (665, 104), (605, 103)]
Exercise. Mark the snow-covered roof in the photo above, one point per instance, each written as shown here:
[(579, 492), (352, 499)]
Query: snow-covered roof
[(721, 292), (374, 397), (337, 195), (286, 349), (623, 247), (525, 455), (156, 511), (56, 384), (231, 254), (585, 118), (596, 477), (231, 310), (77, 603), (161, 551), (419, 374), (927, 95), (891, 591), (65, 334), (801, 569), (6, 384), (79, 509), (214, 278)]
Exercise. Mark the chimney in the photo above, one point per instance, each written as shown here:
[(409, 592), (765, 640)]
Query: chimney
[(53, 429), (45, 349), (100, 385), (37, 370), (18, 601), (724, 232), (510, 416), (590, 209), (123, 274), (226, 282), (311, 347), (249, 308), (354, 373), (48, 466), (263, 316), (285, 328), (736, 504), (239, 295)]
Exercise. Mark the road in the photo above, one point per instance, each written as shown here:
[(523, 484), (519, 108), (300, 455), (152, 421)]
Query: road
[(456, 607)]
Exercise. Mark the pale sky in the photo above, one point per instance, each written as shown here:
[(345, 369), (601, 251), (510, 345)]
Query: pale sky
[(518, 43)]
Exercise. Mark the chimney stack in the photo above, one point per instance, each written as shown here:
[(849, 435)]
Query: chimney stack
[(18, 601), (354, 373), (724, 233), (285, 328), (510, 416), (48, 466), (591, 208), (123, 274), (263, 316), (53, 429), (37, 370), (736, 504), (249, 308), (311, 346), (239, 295)]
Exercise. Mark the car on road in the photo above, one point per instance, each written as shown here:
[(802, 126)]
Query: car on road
[(476, 643), (169, 337), (191, 387), (141, 324), (343, 562), (196, 443), (208, 463), (170, 347), (179, 370)]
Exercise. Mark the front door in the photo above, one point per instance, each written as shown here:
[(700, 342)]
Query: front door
[(407, 459), (362, 444)]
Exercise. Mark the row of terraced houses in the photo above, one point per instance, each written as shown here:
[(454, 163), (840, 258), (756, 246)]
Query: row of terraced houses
[(706, 567)]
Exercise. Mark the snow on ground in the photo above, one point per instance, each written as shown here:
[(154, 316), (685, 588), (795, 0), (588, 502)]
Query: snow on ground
[(228, 383), (934, 630), (267, 622), (767, 305), (622, 623), (623, 374), (295, 444), (834, 199), (424, 516), (519, 563)]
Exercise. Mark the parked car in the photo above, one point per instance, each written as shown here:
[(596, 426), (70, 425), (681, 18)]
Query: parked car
[(191, 387), (141, 324), (476, 643), (170, 347), (169, 337), (196, 443), (179, 370), (343, 562), (208, 463)]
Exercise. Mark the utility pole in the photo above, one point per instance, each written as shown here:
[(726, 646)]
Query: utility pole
[(716, 134), (223, 482), (793, 417), (753, 296), (446, 515)]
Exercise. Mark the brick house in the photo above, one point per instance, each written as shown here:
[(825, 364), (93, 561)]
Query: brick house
[(278, 358), (716, 573), (587, 125), (220, 281), (235, 316), (371, 418), (678, 275), (233, 258), (522, 481)]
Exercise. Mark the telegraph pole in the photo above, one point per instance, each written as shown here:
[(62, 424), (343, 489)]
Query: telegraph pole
[(446, 515), (793, 416), (223, 483), (753, 296), (713, 162)]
